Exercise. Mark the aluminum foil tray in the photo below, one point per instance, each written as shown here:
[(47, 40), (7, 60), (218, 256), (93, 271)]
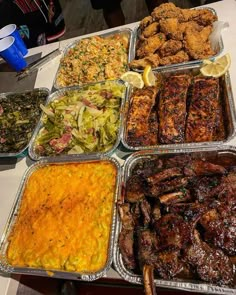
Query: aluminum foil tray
[(23, 151), (126, 32), (225, 156), (86, 276), (219, 48), (228, 109), (56, 95)]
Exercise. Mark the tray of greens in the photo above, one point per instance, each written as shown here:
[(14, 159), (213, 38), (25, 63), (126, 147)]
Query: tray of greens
[(19, 116), (85, 120)]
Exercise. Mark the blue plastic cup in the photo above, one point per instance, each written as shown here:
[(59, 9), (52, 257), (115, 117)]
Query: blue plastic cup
[(11, 30), (12, 54)]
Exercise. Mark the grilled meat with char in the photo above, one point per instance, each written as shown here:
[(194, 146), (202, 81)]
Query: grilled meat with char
[(138, 127), (204, 106), (172, 109)]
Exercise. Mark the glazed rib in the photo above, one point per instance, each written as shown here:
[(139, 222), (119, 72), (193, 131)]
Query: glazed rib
[(172, 109), (204, 107), (138, 123)]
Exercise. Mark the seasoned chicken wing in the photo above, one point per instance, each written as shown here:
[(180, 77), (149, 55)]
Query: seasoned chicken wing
[(179, 57), (190, 25), (203, 17), (170, 47), (150, 30), (167, 10), (170, 27), (151, 45), (152, 59), (197, 43), (145, 22)]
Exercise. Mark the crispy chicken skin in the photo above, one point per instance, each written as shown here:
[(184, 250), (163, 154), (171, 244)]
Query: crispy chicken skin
[(197, 43), (151, 45), (146, 22), (191, 27), (152, 59), (167, 10), (150, 30), (170, 27), (170, 47), (138, 129), (179, 57)]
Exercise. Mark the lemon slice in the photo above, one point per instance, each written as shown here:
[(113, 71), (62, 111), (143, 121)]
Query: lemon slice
[(149, 77), (135, 79), (216, 68)]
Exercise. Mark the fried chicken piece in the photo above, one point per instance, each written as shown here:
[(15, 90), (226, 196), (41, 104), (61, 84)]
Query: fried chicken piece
[(167, 10), (170, 27), (179, 57), (203, 17), (150, 30), (190, 25), (170, 47), (151, 45), (152, 59), (145, 22), (197, 43)]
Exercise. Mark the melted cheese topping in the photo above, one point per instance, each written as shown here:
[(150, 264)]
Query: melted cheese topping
[(65, 218)]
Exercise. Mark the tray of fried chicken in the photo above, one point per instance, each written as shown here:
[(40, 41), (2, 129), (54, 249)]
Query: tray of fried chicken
[(176, 226), (172, 36), (183, 110)]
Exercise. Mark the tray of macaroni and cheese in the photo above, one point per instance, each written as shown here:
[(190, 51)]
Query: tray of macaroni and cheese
[(63, 220)]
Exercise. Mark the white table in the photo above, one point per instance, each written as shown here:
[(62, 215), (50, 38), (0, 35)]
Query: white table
[(11, 176)]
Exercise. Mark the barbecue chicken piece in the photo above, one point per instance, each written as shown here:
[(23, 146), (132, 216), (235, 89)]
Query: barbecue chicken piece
[(151, 45), (163, 175), (179, 57), (197, 43), (211, 265), (167, 186), (126, 236), (135, 189), (152, 59), (170, 27), (170, 47), (138, 128), (204, 106), (200, 167), (172, 109), (150, 30)]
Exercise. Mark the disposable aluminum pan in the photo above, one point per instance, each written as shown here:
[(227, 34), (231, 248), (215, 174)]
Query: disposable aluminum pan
[(86, 276), (228, 109), (123, 32), (23, 151), (218, 45), (56, 95), (222, 156)]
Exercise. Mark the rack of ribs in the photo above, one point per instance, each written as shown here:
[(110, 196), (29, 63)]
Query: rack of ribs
[(172, 109), (204, 107), (138, 122)]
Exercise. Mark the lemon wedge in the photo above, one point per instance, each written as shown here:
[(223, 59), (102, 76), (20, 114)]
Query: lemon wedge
[(217, 68), (148, 76), (135, 79)]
